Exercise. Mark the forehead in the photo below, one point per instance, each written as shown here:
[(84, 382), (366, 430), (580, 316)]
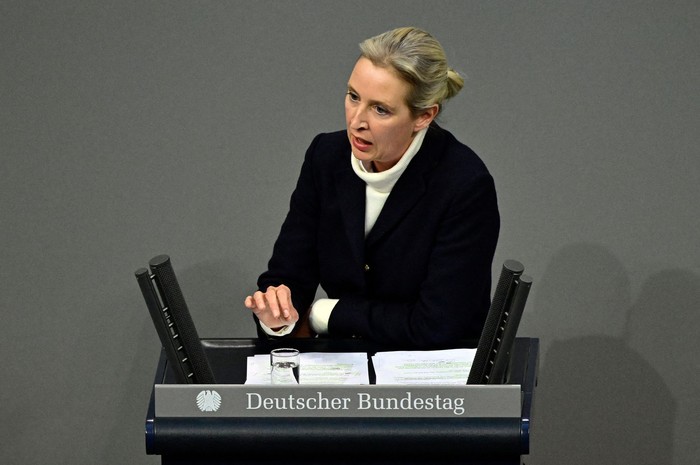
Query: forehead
[(378, 83)]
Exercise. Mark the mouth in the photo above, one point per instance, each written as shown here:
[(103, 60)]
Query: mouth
[(360, 143)]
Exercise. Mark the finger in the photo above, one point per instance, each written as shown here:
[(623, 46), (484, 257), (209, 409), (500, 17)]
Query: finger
[(259, 301), (284, 297), (272, 302)]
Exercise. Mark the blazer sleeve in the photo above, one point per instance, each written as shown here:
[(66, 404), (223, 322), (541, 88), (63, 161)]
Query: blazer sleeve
[(293, 260)]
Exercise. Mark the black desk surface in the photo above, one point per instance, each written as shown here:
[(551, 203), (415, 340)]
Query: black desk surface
[(338, 440)]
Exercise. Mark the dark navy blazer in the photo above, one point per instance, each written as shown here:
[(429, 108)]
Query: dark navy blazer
[(422, 277)]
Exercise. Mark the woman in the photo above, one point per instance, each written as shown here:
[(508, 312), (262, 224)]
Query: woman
[(393, 217)]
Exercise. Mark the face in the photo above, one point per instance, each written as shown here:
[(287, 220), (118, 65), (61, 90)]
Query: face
[(380, 124)]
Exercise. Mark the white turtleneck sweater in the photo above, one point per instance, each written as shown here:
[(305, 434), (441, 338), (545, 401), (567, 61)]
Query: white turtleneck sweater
[(378, 188)]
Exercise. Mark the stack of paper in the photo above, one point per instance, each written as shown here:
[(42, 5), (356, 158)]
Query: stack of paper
[(424, 367), (439, 367), (316, 368)]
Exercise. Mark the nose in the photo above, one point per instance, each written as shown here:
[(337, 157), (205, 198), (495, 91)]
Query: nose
[(357, 118)]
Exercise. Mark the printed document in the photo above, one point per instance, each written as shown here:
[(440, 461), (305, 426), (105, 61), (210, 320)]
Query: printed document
[(424, 367), (316, 368), (438, 367)]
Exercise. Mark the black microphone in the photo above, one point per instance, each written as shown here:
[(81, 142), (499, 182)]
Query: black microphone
[(493, 351), (173, 322)]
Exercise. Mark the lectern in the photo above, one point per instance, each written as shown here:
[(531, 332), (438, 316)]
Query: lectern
[(227, 426)]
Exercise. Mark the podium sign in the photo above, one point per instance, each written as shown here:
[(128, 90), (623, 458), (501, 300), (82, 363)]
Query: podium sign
[(251, 401)]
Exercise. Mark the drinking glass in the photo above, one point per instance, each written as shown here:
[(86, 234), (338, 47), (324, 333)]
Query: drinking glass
[(285, 366)]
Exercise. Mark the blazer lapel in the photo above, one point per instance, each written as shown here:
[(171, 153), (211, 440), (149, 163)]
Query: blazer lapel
[(351, 198), (408, 190)]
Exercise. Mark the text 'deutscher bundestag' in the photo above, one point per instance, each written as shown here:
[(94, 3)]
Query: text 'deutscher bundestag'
[(244, 401)]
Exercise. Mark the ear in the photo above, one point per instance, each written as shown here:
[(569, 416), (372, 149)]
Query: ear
[(424, 119)]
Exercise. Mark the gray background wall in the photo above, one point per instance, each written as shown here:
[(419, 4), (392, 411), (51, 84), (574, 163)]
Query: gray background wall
[(130, 129)]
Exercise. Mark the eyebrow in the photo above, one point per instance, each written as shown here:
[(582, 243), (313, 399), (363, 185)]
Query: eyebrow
[(374, 102)]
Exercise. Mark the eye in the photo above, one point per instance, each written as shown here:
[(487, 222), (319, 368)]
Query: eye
[(381, 111), (352, 96)]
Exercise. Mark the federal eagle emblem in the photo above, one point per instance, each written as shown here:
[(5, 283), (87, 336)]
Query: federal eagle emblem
[(208, 401)]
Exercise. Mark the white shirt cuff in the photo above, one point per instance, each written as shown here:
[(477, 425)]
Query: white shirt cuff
[(281, 332), (320, 314)]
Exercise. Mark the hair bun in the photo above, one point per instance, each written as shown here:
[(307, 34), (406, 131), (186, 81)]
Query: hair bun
[(455, 82)]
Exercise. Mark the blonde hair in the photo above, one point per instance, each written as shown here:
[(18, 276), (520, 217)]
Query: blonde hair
[(420, 60)]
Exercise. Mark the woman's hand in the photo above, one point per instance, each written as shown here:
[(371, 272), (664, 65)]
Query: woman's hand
[(273, 307)]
